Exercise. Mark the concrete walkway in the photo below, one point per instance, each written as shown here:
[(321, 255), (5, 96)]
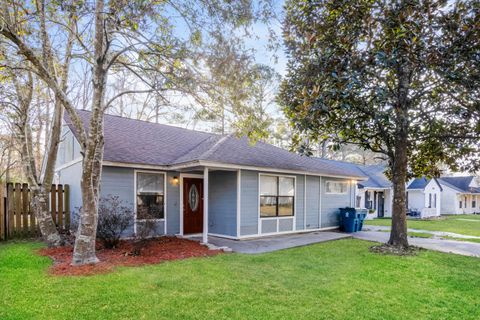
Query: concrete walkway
[(448, 246), (435, 233), (274, 243)]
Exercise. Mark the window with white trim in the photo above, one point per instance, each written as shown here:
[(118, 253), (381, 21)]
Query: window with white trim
[(277, 196), (150, 195), (336, 187)]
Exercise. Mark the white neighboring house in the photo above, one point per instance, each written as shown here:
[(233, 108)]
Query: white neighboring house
[(375, 193), (445, 195), (460, 195)]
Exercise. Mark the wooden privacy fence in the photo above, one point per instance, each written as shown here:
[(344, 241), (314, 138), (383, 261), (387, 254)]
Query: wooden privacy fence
[(16, 216)]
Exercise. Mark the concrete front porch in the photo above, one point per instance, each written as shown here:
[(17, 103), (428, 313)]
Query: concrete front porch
[(278, 242)]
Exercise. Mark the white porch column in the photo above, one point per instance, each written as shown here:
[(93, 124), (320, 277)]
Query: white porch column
[(205, 205)]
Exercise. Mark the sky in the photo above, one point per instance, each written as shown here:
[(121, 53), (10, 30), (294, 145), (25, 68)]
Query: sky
[(258, 42)]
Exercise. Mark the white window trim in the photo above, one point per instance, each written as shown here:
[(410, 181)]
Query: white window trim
[(336, 181), (260, 219), (164, 219)]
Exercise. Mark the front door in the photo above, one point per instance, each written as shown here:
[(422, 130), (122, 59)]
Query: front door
[(192, 205), (381, 205)]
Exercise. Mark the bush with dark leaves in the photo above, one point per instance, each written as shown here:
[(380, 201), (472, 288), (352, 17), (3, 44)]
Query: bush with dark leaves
[(114, 217)]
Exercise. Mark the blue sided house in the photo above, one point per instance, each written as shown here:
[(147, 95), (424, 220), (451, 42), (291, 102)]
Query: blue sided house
[(192, 182)]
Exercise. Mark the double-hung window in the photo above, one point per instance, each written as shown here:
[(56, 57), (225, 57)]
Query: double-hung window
[(150, 195), (277, 196), (336, 187)]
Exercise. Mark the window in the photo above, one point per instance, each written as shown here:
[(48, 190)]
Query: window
[(434, 200), (460, 204), (474, 203), (150, 195), (429, 200), (336, 187), (358, 201), (368, 203), (277, 196)]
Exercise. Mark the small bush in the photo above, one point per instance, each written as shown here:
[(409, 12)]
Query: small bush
[(145, 230), (113, 219)]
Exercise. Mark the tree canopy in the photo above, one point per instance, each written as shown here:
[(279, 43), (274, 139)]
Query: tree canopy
[(379, 74)]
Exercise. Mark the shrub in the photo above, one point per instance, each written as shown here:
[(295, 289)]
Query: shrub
[(113, 219), (145, 230)]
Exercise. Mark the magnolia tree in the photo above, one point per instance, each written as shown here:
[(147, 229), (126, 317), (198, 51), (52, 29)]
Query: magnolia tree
[(109, 37), (379, 74)]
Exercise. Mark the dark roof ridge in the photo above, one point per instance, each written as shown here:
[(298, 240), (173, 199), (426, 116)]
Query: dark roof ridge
[(215, 146)]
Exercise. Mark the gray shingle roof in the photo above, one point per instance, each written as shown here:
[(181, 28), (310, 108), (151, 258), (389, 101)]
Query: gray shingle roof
[(418, 183), (459, 183), (140, 142), (376, 177)]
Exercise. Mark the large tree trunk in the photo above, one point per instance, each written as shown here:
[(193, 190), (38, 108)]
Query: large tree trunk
[(398, 233), (84, 250)]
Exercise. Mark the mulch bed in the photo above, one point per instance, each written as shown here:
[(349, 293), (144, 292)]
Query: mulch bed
[(391, 250), (152, 252)]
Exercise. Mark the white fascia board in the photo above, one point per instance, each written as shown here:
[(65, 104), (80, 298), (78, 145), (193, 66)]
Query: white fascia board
[(218, 165)]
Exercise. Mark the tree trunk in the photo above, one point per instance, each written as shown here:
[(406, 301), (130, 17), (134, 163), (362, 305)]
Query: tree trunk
[(398, 233), (84, 250), (399, 160), (40, 208)]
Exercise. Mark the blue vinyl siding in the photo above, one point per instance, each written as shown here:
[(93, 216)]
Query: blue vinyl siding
[(173, 204), (299, 203), (332, 202), (249, 203), (313, 202), (119, 182), (68, 148), (222, 203)]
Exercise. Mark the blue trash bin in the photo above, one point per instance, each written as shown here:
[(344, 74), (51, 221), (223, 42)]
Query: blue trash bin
[(348, 220)]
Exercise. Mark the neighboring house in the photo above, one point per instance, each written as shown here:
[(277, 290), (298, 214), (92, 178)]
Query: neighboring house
[(424, 196), (445, 195), (194, 182), (375, 193)]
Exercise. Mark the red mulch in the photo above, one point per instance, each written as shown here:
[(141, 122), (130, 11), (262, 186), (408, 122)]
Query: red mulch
[(154, 251)]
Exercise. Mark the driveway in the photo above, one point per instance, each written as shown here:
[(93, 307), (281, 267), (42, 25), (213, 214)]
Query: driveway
[(278, 242), (448, 246)]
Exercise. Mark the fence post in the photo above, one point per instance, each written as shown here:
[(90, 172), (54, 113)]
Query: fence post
[(2, 213), (18, 207), (53, 203), (25, 207), (10, 209), (60, 206), (33, 222), (66, 191)]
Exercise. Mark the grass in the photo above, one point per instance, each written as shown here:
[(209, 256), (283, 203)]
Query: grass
[(333, 280), (453, 223)]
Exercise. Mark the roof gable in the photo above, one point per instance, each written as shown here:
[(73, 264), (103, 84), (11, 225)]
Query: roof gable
[(461, 184), (418, 183), (376, 177)]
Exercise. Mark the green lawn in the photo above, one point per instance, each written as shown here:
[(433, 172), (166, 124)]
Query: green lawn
[(334, 280), (456, 223)]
